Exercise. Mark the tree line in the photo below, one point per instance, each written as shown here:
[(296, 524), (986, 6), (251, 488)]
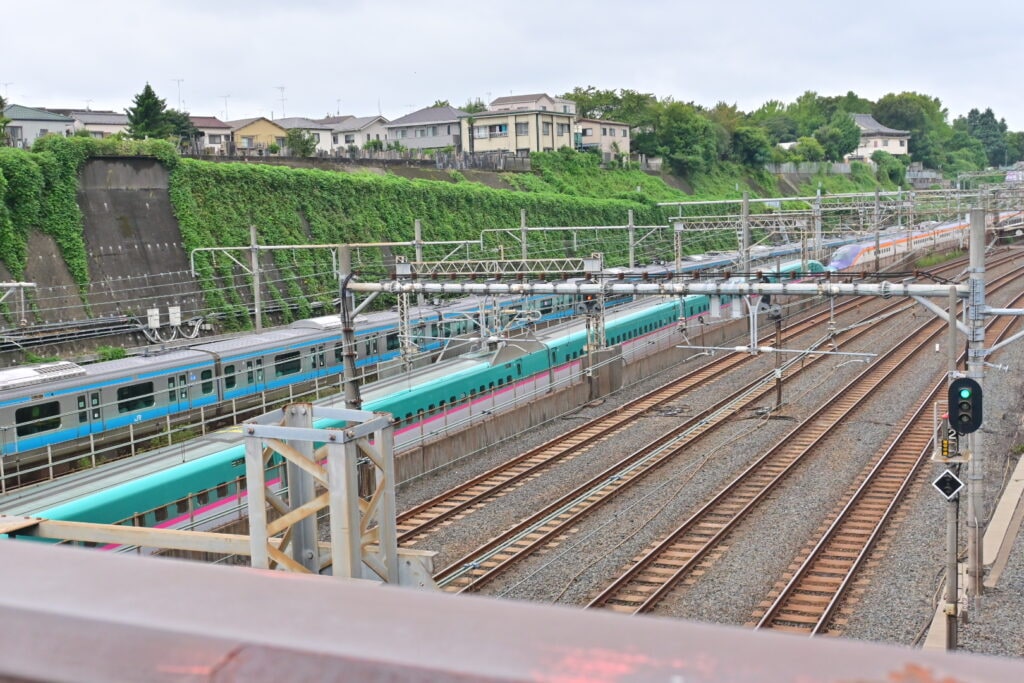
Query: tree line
[(693, 139)]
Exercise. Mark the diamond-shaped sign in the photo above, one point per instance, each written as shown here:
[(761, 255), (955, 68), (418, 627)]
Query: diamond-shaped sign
[(948, 485)]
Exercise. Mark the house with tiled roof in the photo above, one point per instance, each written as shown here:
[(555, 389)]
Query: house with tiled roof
[(533, 102), (321, 132), (255, 135), (26, 124), (428, 128), (357, 131), (214, 133), (99, 124), (874, 136)]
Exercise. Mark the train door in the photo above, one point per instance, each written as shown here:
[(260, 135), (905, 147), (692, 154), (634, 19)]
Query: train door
[(318, 361), (254, 375), (89, 416), (177, 393)]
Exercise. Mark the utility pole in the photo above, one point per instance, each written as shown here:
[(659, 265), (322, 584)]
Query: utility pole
[(5, 84), (280, 89), (976, 370), (254, 264), (178, 81), (225, 106)]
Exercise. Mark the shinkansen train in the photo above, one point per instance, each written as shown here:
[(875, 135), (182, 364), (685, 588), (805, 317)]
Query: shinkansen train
[(935, 235), (199, 481), (55, 409)]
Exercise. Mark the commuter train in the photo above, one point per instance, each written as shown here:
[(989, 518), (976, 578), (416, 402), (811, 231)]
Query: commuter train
[(199, 482), (57, 409)]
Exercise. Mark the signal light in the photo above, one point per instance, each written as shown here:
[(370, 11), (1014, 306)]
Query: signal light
[(965, 405)]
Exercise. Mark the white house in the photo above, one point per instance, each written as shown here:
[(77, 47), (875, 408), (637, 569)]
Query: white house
[(533, 102), (215, 133), (874, 136), (358, 130), (611, 137), (321, 132), (429, 128), (28, 125)]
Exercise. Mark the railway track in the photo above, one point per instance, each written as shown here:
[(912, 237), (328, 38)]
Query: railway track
[(652, 576), (811, 595), (415, 523)]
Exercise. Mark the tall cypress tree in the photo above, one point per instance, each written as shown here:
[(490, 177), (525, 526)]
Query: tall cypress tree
[(147, 118)]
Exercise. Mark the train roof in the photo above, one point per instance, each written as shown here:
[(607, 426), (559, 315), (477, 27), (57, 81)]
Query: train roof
[(422, 376)]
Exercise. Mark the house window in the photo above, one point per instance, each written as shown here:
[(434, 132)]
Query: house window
[(885, 143), (604, 131), (316, 136), (213, 139), (522, 129), (876, 143), (350, 138), (402, 132), (587, 132), (611, 132), (546, 128), (903, 143), (563, 129), (421, 132), (480, 132), (248, 141), (449, 130), (334, 139), (542, 108), (433, 131), (280, 142), (43, 131), (565, 108), (625, 132)]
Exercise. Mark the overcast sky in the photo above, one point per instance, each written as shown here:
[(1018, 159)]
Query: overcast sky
[(365, 57)]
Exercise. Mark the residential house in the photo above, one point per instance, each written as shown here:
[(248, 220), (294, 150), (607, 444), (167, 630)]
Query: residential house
[(537, 101), (28, 125), (516, 130), (357, 131), (429, 128), (214, 134), (610, 137), (99, 124), (321, 132), (874, 136), (255, 134)]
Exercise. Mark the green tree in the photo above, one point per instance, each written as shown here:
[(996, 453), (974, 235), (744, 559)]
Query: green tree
[(441, 103), (773, 117), (474, 106), (300, 143), (1014, 146), (181, 126), (807, 113), (683, 136), (925, 119), (751, 146), (809, 149), (839, 137), (991, 133), (888, 169), (592, 103), (147, 117), (3, 119)]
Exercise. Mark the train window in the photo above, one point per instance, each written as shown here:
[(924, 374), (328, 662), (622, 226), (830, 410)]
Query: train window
[(339, 352), (259, 369), (83, 415), (183, 386), (451, 399), (287, 364), (181, 506), (222, 491), (501, 382), (392, 341), (160, 514), (172, 394), (509, 379), (94, 401), (38, 418), (321, 357), (229, 377), (203, 497), (135, 397), (207, 377), (490, 385)]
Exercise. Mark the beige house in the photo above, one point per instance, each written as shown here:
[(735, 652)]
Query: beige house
[(874, 136), (611, 137), (516, 131), (100, 124), (214, 133), (537, 101), (256, 134)]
